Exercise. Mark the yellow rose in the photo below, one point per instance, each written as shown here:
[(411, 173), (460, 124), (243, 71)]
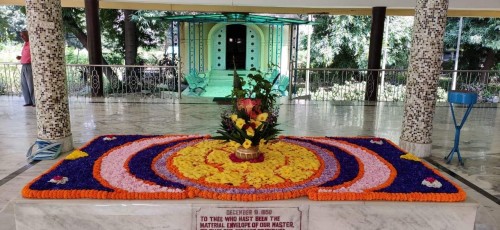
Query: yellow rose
[(240, 123), (247, 144), (262, 117), (234, 117), (250, 132)]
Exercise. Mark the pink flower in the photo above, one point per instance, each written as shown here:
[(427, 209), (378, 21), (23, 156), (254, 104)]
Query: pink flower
[(116, 175), (376, 171)]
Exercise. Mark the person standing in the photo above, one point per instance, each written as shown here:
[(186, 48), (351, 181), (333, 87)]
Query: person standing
[(26, 73)]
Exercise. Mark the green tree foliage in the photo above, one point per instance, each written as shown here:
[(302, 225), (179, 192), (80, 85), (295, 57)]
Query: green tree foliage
[(340, 41), (149, 29), (480, 42), (399, 41), (76, 56), (343, 41), (11, 22), (4, 27), (117, 31)]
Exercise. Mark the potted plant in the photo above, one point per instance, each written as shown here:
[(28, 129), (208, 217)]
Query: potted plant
[(252, 120)]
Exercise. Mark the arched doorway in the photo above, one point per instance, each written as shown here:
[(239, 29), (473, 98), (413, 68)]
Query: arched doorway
[(240, 40), (236, 43)]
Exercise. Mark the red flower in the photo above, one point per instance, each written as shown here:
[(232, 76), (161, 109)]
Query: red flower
[(248, 125), (251, 106), (430, 179), (57, 178)]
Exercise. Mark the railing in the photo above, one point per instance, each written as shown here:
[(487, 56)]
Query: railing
[(10, 79), (350, 84), (118, 81), (324, 84)]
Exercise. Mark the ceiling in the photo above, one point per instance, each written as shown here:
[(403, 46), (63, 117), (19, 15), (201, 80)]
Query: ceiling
[(473, 8), (454, 4)]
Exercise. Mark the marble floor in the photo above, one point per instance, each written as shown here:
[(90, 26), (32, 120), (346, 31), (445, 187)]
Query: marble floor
[(480, 140)]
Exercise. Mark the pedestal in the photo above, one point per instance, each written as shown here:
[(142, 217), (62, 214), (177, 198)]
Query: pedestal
[(459, 97), (300, 213)]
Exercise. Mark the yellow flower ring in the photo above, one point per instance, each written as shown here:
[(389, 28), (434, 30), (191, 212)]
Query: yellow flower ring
[(290, 167)]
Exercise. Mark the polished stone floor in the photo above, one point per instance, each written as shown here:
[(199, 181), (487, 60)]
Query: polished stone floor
[(480, 143)]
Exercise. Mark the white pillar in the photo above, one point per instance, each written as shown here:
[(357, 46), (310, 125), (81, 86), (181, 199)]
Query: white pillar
[(457, 54), (384, 55), (308, 55)]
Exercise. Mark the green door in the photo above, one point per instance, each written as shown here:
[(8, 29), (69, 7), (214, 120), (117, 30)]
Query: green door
[(253, 49), (219, 54)]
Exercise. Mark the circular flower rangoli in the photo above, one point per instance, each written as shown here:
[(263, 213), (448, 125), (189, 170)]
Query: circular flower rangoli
[(187, 166), (208, 162)]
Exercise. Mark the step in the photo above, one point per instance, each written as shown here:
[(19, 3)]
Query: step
[(227, 74), (197, 213)]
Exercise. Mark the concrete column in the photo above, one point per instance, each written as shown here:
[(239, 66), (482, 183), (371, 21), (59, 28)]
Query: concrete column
[(425, 66), (49, 71)]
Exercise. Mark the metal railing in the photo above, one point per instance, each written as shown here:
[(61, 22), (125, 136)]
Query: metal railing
[(350, 84), (162, 82), (117, 81), (10, 80)]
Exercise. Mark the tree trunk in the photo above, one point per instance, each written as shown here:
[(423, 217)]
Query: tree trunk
[(375, 53), (82, 37), (488, 63), (131, 41), (131, 44)]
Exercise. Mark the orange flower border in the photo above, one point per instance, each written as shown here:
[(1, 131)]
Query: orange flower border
[(313, 193)]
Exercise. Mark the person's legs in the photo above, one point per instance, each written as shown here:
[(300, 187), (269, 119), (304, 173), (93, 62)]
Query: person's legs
[(24, 86), (31, 86), (27, 85)]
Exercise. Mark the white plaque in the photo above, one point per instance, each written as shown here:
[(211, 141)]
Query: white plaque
[(248, 218)]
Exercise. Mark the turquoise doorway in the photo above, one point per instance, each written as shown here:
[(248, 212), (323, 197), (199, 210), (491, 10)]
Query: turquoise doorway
[(236, 46)]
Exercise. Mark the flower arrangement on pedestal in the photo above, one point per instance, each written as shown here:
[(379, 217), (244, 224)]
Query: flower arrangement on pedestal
[(252, 121)]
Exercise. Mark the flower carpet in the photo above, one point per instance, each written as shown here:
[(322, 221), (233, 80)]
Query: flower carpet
[(188, 166)]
